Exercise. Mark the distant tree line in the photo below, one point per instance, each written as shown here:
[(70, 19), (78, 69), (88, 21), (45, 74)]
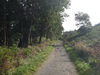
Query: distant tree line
[(84, 24), (24, 22)]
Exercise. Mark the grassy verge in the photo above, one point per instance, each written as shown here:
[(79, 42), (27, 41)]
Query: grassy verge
[(33, 62), (83, 68), (29, 65)]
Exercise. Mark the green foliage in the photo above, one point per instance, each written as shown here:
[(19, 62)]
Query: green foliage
[(7, 52), (6, 56), (24, 21), (33, 63), (92, 62), (82, 66), (85, 52), (27, 51), (89, 36), (83, 19), (23, 61)]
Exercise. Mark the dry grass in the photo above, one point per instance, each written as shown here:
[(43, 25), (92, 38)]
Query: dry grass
[(38, 48), (94, 52), (10, 58), (90, 51)]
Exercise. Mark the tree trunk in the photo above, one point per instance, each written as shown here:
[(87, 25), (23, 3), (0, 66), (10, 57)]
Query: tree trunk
[(29, 36), (25, 41), (41, 34), (47, 35), (26, 38), (4, 21), (40, 39)]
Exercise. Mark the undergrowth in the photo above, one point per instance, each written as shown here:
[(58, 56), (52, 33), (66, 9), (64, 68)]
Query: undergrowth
[(24, 61), (31, 64), (83, 66)]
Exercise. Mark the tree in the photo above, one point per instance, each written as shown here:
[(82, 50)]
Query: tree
[(82, 19), (23, 21)]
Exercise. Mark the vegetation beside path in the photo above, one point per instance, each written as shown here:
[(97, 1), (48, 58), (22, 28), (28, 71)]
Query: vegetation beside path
[(27, 28), (84, 49), (83, 68), (24, 61)]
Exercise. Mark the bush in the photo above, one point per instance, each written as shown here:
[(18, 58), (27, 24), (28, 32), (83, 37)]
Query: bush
[(83, 68), (23, 61), (6, 58), (76, 56)]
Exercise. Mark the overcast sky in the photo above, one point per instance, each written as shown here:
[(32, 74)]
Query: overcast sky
[(91, 7)]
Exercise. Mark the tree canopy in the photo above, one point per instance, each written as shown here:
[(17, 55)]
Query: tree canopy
[(82, 19), (24, 22)]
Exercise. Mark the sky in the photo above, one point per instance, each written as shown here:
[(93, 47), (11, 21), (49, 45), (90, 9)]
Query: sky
[(91, 7)]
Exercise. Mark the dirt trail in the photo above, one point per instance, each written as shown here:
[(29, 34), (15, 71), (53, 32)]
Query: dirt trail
[(58, 63)]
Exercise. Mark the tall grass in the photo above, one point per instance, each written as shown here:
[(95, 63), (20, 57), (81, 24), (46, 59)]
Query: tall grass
[(84, 62), (23, 61), (31, 64)]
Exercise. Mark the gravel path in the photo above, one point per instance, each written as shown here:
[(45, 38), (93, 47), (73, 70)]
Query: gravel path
[(58, 63)]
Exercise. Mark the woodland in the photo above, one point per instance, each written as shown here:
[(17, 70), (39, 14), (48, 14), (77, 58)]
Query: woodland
[(29, 29)]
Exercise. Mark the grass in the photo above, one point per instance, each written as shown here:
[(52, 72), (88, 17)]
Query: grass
[(83, 68), (30, 65)]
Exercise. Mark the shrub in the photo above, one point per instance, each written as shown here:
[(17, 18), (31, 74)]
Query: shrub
[(6, 58), (76, 56), (83, 68)]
